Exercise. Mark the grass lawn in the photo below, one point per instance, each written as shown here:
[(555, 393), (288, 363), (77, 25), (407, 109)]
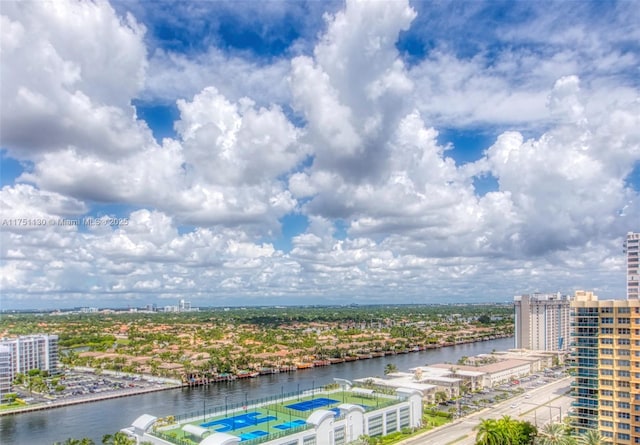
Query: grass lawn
[(432, 420), (10, 406)]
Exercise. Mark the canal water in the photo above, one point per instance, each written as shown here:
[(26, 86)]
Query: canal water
[(94, 420)]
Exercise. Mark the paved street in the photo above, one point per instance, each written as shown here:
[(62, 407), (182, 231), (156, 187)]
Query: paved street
[(538, 406)]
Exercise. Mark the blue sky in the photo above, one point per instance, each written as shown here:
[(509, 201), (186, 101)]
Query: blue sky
[(281, 151)]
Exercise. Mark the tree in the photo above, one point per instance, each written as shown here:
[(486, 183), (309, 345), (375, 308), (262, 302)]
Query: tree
[(71, 441), (591, 437), (505, 431), (490, 433), (390, 368), (528, 433), (118, 438), (10, 397), (554, 434), (441, 397)]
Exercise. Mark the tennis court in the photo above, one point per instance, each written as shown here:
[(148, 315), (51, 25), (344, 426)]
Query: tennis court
[(309, 405), (237, 422), (252, 435), (292, 424)]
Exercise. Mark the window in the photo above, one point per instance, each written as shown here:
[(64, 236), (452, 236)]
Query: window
[(624, 331), (338, 436), (392, 422), (404, 417), (607, 330), (309, 440), (624, 341), (375, 426)]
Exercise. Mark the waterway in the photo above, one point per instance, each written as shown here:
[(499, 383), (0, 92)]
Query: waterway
[(94, 420)]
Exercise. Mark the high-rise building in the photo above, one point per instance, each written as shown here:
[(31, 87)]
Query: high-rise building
[(632, 250), (32, 352), (606, 354), (184, 305), (5, 372), (543, 321)]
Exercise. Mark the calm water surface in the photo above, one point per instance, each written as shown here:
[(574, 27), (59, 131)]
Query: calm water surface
[(107, 417)]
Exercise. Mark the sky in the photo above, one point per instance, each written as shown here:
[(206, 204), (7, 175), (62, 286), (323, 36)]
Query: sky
[(287, 152)]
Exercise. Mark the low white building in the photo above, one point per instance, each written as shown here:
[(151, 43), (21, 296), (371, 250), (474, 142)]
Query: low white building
[(399, 380), (497, 373)]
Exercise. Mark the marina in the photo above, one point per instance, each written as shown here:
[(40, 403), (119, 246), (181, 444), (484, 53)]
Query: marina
[(94, 420)]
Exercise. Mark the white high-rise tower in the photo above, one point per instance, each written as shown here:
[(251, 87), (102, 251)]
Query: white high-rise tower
[(632, 249)]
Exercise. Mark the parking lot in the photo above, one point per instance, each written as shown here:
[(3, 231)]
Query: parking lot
[(488, 397), (80, 385)]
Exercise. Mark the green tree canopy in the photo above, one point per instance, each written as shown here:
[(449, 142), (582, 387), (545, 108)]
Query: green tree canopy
[(591, 437), (505, 431)]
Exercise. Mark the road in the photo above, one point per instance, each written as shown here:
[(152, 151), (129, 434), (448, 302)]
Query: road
[(538, 406)]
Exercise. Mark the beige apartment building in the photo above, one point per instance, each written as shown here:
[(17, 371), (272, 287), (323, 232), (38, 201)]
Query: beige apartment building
[(542, 322), (606, 351)]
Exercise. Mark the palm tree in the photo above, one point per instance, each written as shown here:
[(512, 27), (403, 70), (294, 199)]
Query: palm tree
[(510, 428), (440, 397), (71, 441), (490, 433), (591, 437), (554, 434), (505, 431), (118, 438), (390, 369)]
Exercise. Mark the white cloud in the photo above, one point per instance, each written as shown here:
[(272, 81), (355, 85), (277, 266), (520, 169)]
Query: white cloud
[(390, 213), (69, 70), (173, 76)]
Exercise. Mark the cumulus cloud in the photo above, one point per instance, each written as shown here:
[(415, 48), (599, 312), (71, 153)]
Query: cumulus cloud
[(69, 70), (173, 76), (389, 211)]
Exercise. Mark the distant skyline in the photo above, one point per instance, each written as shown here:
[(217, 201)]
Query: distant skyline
[(300, 153)]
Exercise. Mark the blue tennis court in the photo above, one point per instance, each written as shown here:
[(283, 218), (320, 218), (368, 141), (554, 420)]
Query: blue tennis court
[(292, 424), (236, 422), (252, 435), (308, 405)]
